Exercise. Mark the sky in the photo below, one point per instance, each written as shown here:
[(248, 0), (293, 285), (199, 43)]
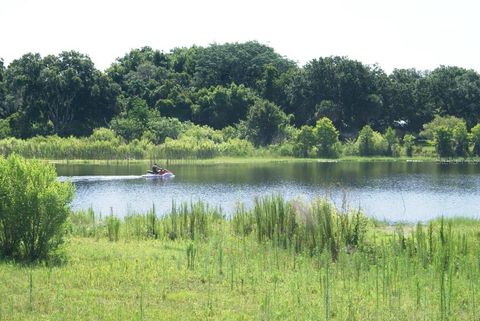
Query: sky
[(422, 34)]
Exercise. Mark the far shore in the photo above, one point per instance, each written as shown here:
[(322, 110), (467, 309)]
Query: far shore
[(259, 160)]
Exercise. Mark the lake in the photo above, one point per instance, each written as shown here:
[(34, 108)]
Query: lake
[(391, 191)]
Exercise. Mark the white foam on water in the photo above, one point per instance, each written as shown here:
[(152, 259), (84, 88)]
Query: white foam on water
[(97, 178)]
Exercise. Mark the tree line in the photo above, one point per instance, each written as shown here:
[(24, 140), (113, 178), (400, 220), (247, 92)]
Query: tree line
[(245, 89)]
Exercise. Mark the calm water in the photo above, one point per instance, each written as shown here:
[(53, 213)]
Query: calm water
[(391, 191)]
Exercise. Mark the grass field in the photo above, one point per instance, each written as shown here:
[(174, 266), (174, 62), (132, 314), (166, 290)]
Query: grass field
[(268, 263)]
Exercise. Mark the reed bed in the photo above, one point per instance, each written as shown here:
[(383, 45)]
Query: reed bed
[(277, 261), (186, 221), (54, 147)]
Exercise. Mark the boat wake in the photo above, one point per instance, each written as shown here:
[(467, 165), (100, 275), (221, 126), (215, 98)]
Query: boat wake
[(75, 179)]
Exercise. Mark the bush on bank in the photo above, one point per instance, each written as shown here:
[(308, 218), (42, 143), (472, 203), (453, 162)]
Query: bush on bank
[(33, 208)]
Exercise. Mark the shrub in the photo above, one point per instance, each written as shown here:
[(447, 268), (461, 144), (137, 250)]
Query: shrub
[(444, 141), (392, 141), (304, 141), (162, 127), (104, 135), (236, 147), (189, 147), (460, 136), (371, 142), (350, 148), (326, 136), (33, 208), (476, 139), (365, 141), (286, 148), (408, 143), (449, 122)]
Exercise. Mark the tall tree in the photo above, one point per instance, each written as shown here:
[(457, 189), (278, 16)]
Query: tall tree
[(240, 63), (61, 94), (265, 122), (347, 83), (403, 106), (222, 106), (453, 91)]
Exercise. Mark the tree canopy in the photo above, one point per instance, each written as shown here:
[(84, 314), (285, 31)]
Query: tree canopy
[(218, 85)]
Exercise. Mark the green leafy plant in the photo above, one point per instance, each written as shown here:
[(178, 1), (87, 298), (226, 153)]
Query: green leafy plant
[(33, 208)]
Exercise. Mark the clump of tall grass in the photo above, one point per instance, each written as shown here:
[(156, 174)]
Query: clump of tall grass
[(142, 226), (186, 221), (315, 227), (83, 223), (191, 221), (113, 227)]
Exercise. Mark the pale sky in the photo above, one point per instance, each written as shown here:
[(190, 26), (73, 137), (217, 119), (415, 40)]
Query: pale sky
[(395, 34)]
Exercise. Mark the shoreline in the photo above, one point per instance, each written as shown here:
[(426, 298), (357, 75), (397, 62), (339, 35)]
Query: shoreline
[(260, 160)]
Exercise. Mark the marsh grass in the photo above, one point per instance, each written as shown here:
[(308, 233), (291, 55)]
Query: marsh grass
[(269, 262), (313, 228)]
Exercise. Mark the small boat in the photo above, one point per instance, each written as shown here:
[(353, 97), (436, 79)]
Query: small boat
[(162, 174)]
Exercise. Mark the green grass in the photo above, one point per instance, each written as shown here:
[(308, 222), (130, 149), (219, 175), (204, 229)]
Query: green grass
[(249, 268)]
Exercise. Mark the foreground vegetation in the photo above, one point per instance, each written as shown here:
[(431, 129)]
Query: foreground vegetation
[(277, 261)]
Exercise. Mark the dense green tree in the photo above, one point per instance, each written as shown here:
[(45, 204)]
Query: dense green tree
[(132, 62), (162, 80), (347, 83), (403, 106), (444, 142), (138, 121), (454, 91), (174, 101), (326, 138), (265, 123), (223, 106), (134, 120), (273, 85), (61, 94), (183, 59), (240, 63), (329, 109), (144, 81), (24, 101)]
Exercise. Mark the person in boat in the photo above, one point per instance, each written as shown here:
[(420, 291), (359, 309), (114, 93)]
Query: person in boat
[(155, 168)]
